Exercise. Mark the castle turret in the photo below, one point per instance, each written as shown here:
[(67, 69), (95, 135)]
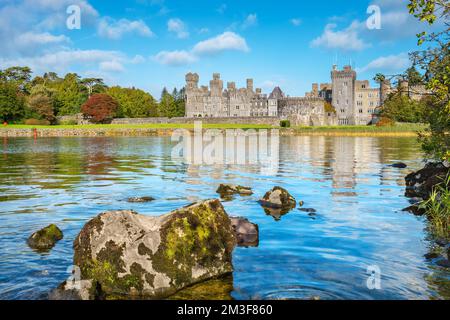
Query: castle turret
[(403, 87), (216, 85), (250, 85), (343, 86), (192, 81)]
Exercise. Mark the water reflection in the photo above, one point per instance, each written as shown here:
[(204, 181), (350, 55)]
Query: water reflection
[(348, 182)]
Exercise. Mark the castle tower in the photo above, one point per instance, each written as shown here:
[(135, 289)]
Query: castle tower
[(343, 100), (191, 81), (216, 85), (315, 90), (250, 85), (403, 87)]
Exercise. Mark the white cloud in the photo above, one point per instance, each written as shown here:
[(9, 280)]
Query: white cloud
[(64, 60), (227, 41), (111, 66), (388, 63), (175, 58), (178, 27), (137, 59), (45, 38), (347, 39), (250, 21), (115, 30), (295, 22)]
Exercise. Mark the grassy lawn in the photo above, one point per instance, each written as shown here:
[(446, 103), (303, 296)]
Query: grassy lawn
[(400, 127)]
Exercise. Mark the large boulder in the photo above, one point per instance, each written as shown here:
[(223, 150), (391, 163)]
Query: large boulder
[(45, 239), (278, 198), (123, 253), (421, 183)]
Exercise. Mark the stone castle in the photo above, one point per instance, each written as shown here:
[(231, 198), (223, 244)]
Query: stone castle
[(344, 101)]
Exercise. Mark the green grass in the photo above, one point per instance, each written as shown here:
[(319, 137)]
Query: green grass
[(398, 127), (437, 209), (401, 127)]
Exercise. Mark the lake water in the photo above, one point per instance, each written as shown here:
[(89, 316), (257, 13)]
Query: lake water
[(358, 197)]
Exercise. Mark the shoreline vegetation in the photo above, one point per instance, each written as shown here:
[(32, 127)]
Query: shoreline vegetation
[(19, 130)]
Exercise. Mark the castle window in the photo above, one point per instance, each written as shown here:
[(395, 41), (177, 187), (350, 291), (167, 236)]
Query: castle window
[(360, 110), (363, 86), (237, 107)]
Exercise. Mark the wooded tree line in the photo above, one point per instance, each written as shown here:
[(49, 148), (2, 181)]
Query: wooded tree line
[(45, 97), (398, 106)]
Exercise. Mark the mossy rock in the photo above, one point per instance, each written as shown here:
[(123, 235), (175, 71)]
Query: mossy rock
[(278, 198), (226, 190), (46, 238), (140, 199), (127, 254)]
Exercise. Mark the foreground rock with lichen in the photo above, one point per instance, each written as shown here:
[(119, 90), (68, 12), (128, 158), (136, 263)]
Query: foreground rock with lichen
[(125, 254), (45, 239)]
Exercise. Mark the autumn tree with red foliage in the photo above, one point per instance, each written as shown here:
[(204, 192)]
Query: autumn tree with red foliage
[(100, 108)]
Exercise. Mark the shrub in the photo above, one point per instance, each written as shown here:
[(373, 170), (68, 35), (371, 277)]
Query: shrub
[(385, 122), (437, 209), (37, 122), (69, 123), (43, 106), (100, 108), (285, 124)]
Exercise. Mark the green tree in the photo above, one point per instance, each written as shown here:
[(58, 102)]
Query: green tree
[(70, 95), (12, 102), (167, 106), (133, 103), (401, 108), (435, 62), (413, 76), (20, 76), (93, 85), (41, 102)]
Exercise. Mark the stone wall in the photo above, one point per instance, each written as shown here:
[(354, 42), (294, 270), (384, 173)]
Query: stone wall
[(271, 121)]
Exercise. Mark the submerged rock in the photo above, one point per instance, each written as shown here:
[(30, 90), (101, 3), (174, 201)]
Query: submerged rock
[(226, 190), (416, 210), (215, 289), (123, 253), (247, 233), (308, 210), (140, 199), (46, 238), (278, 198), (421, 183), (399, 165)]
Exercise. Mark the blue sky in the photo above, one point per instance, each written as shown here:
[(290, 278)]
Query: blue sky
[(150, 44)]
